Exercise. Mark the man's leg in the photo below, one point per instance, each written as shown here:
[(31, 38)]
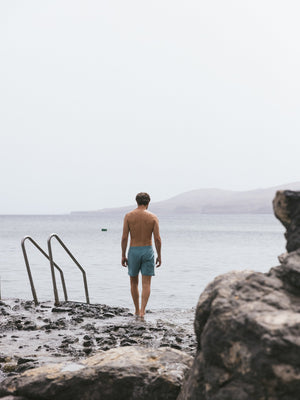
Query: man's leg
[(134, 285), (146, 284)]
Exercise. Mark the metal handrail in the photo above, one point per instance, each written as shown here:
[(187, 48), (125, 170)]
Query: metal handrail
[(56, 299), (29, 270)]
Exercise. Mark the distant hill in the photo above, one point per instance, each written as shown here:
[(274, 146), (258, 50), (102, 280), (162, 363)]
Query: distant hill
[(212, 201)]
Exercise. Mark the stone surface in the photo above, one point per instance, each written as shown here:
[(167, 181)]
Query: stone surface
[(286, 205), (131, 373), (248, 334), (82, 332)]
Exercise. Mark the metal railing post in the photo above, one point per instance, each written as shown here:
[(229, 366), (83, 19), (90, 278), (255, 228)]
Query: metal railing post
[(29, 270), (54, 235), (56, 299)]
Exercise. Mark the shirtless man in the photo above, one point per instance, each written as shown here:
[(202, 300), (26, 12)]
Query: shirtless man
[(141, 224)]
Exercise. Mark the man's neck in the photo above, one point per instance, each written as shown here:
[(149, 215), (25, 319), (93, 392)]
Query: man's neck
[(142, 207)]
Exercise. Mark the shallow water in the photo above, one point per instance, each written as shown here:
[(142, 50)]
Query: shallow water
[(196, 248)]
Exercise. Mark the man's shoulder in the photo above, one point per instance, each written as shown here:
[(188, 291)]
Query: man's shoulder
[(152, 215), (132, 212)]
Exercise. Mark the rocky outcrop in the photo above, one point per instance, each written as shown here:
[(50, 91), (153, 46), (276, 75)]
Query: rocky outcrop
[(248, 328), (131, 373), (286, 205)]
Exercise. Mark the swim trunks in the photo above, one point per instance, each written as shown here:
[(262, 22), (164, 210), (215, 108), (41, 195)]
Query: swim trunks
[(141, 258)]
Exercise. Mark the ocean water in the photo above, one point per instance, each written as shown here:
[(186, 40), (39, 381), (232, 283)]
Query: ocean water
[(196, 248)]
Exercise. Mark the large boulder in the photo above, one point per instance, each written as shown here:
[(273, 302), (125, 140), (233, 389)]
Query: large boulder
[(248, 333), (286, 205), (131, 373)]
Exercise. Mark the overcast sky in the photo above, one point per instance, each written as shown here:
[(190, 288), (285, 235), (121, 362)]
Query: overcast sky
[(102, 99)]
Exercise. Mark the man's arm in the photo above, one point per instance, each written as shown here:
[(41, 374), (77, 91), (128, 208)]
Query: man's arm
[(157, 242), (124, 241)]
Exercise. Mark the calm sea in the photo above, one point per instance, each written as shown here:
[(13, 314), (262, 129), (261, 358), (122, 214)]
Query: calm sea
[(196, 248)]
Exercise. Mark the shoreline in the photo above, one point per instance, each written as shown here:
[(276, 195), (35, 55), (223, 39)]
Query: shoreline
[(32, 336)]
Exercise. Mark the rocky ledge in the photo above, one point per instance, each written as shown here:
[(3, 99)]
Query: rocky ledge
[(34, 336), (124, 373)]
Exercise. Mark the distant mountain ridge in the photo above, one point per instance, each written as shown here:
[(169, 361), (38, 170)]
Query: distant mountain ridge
[(212, 201)]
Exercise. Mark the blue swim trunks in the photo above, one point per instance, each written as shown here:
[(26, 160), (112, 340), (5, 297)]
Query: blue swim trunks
[(141, 258)]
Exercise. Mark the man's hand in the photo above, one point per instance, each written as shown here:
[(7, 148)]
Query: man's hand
[(124, 261), (158, 262)]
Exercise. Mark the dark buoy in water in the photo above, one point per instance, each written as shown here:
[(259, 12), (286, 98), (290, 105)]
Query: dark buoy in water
[(104, 229)]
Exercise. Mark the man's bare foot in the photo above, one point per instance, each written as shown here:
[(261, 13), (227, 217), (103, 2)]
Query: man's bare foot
[(142, 314)]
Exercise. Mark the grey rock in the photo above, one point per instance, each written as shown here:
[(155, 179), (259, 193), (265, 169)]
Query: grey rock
[(286, 205), (131, 373), (87, 350), (248, 328), (24, 360), (26, 366), (61, 309)]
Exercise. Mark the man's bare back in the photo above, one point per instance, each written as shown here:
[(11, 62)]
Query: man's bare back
[(141, 225)]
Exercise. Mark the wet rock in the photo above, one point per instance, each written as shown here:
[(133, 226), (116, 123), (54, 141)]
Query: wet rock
[(87, 350), (130, 373), (28, 305), (286, 205), (61, 323), (109, 315), (25, 360), (96, 311), (29, 326), (69, 340), (77, 320), (128, 342), (248, 327), (90, 327), (26, 366), (61, 309), (147, 335), (9, 367), (175, 346)]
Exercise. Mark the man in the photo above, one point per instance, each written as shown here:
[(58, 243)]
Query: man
[(141, 224)]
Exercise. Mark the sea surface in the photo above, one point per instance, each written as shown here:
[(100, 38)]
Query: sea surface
[(196, 248)]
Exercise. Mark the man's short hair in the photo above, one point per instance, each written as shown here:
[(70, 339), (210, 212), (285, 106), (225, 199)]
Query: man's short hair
[(143, 199)]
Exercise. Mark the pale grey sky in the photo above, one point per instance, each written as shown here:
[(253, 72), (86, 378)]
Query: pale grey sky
[(102, 99)]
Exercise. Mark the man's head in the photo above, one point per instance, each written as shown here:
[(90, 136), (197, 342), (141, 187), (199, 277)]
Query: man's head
[(142, 199)]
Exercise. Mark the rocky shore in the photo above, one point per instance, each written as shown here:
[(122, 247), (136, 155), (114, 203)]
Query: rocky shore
[(247, 329), (34, 336)]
